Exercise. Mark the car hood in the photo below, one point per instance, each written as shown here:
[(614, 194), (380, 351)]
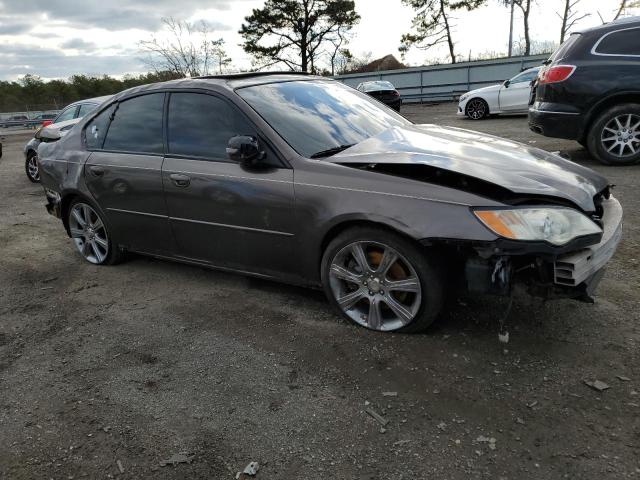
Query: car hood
[(510, 165), (492, 88)]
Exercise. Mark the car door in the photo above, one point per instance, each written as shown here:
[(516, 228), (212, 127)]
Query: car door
[(124, 171), (514, 95), (220, 211)]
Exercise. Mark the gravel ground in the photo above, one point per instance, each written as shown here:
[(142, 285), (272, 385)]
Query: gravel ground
[(107, 371)]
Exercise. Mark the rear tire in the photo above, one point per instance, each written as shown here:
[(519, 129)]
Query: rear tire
[(476, 109), (90, 234), (382, 281), (614, 138)]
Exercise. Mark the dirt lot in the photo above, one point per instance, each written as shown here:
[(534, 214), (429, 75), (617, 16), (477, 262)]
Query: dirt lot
[(131, 364)]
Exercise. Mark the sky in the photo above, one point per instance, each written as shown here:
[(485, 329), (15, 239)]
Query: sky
[(59, 38)]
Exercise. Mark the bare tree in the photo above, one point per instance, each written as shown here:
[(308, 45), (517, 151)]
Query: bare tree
[(525, 7), (220, 59), (185, 50), (339, 54), (432, 24), (569, 17), (624, 4)]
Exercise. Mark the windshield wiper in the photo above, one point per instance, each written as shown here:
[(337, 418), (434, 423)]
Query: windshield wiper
[(331, 151)]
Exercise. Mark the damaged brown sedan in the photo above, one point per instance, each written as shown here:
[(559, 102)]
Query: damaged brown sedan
[(305, 180)]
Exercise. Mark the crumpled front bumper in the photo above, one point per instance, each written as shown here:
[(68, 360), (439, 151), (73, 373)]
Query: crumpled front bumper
[(583, 266)]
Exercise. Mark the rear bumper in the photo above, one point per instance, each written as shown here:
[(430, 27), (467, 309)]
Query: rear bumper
[(53, 205), (556, 121), (395, 104)]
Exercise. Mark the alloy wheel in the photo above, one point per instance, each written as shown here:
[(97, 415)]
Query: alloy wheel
[(32, 167), (375, 285), (476, 109), (620, 137), (88, 233)]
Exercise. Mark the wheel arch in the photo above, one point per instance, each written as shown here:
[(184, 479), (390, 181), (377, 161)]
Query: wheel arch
[(66, 200), (604, 104), (478, 97), (346, 224)]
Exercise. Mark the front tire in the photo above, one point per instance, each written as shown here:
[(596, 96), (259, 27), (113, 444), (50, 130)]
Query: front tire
[(477, 109), (32, 168), (614, 138), (381, 281), (90, 234)]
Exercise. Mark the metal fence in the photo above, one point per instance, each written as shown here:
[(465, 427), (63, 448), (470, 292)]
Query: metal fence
[(446, 82), (26, 113)]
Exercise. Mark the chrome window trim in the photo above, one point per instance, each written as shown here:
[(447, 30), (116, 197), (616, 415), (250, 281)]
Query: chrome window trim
[(595, 46)]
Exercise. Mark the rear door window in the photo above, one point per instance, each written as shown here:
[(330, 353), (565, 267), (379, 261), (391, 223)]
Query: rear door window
[(96, 129), (136, 125), (622, 42), (524, 77)]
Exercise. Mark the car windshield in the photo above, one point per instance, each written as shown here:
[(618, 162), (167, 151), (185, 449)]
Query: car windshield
[(319, 118)]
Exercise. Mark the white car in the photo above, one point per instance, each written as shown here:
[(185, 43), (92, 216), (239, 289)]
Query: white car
[(511, 96)]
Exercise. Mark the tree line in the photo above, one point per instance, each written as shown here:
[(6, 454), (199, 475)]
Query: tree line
[(31, 93)]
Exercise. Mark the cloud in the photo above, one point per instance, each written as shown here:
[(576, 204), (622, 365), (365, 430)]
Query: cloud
[(78, 44), (13, 26), (17, 60), (112, 14)]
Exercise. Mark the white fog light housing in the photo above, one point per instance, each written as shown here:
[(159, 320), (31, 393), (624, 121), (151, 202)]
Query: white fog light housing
[(557, 226)]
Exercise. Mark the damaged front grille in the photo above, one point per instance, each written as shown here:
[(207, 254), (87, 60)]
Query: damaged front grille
[(598, 215)]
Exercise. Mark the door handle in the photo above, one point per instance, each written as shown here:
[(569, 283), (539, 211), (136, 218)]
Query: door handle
[(96, 171), (180, 180)]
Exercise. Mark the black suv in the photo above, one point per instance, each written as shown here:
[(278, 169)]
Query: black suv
[(589, 91)]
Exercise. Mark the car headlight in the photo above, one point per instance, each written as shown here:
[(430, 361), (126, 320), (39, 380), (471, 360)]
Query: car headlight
[(554, 225), (463, 97)]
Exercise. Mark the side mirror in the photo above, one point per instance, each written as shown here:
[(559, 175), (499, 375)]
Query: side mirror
[(245, 149), (507, 83), (48, 134)]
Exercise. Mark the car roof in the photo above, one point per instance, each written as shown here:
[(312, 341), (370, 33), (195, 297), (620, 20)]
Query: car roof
[(621, 22), (217, 82), (94, 100)]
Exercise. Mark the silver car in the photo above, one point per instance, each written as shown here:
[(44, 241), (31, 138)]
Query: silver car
[(511, 96), (62, 123)]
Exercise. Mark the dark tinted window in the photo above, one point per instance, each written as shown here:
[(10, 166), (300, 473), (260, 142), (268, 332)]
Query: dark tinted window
[(137, 125), (86, 108), (67, 114), (97, 128), (201, 125), (622, 42), (563, 49)]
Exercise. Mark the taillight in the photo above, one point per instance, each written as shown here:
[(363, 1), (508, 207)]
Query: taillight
[(46, 123), (555, 74), (396, 93)]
